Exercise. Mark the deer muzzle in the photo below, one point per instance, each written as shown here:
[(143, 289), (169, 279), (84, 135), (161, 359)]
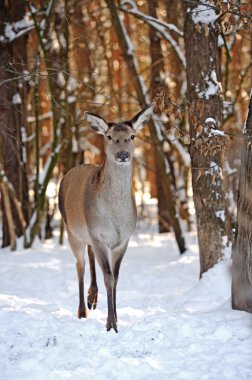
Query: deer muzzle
[(122, 156)]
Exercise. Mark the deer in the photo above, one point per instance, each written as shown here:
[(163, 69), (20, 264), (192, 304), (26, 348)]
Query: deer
[(98, 207)]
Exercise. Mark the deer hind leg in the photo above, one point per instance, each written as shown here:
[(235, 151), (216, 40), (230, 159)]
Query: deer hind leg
[(102, 255), (78, 251), (82, 310), (93, 289)]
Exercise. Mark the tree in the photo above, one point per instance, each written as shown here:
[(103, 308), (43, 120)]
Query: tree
[(203, 70), (14, 84), (158, 85), (242, 250)]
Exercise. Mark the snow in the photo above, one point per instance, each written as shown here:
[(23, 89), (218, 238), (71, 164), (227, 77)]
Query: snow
[(71, 99), (24, 140), (171, 325), (62, 40), (26, 76), (213, 130), (72, 84), (216, 132), (61, 79), (16, 99), (220, 41), (212, 86), (210, 120), (221, 215), (15, 30), (204, 13), (215, 168), (167, 166)]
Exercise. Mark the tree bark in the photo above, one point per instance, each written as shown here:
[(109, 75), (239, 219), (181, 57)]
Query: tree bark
[(13, 111), (158, 86), (242, 250), (203, 70)]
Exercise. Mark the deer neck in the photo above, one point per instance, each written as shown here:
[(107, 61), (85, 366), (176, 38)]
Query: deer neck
[(117, 179)]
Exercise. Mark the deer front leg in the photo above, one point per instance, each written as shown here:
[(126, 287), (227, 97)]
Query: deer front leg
[(117, 256), (102, 255), (93, 289)]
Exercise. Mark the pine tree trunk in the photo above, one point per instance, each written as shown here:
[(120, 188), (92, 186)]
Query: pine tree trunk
[(203, 70), (242, 250)]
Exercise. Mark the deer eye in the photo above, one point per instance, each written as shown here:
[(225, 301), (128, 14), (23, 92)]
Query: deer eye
[(132, 137), (109, 137)]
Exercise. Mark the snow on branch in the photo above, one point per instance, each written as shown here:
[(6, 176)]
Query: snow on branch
[(130, 52), (13, 31), (134, 11), (160, 26)]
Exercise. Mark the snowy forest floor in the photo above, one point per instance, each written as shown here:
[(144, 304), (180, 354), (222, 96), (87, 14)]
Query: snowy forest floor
[(171, 325)]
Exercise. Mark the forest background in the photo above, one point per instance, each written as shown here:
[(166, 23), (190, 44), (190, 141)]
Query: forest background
[(60, 58)]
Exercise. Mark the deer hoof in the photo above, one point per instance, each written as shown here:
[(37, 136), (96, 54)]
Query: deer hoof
[(92, 305), (92, 298), (112, 325), (82, 313)]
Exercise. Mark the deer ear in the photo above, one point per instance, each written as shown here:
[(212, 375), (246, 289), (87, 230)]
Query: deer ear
[(142, 118), (97, 123)]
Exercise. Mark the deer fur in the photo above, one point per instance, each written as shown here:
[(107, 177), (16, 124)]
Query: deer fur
[(99, 211)]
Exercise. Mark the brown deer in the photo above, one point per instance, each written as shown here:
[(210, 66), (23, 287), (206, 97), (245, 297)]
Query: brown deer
[(98, 207)]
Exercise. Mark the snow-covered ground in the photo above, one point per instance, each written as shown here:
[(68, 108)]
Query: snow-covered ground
[(171, 325)]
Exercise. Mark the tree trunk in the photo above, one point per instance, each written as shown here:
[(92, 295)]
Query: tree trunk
[(242, 250), (175, 70), (203, 70), (158, 86), (13, 111)]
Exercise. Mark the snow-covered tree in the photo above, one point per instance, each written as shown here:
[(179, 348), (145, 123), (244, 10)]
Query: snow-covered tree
[(203, 69)]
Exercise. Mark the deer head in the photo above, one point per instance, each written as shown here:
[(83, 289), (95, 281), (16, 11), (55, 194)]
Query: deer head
[(119, 137)]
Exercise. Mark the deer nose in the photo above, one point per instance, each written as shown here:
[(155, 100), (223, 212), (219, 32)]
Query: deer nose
[(122, 155)]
